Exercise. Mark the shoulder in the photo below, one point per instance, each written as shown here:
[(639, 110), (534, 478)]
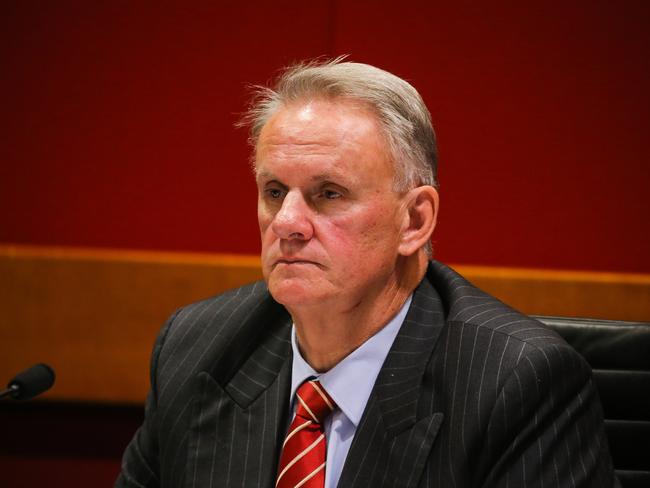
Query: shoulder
[(207, 334), (522, 390), (218, 312), (495, 355), (468, 306), (214, 315), (491, 341)]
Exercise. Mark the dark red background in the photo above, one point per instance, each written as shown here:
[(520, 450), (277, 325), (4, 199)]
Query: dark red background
[(116, 130), (117, 120)]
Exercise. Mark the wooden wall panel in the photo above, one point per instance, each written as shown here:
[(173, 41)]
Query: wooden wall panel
[(93, 315)]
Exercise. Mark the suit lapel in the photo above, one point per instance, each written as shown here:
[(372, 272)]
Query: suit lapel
[(238, 422), (391, 443)]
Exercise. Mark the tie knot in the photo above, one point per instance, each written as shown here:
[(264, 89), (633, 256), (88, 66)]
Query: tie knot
[(313, 402)]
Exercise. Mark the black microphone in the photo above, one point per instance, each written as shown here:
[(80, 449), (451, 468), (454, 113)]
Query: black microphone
[(31, 382)]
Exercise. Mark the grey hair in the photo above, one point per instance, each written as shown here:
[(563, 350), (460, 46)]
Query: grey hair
[(399, 108)]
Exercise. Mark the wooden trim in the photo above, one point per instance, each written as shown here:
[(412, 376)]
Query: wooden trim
[(604, 295), (22, 251), (93, 314)]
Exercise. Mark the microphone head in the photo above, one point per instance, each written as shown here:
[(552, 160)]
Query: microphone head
[(31, 382)]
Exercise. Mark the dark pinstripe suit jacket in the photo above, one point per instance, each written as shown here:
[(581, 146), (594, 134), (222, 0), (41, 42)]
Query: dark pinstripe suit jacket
[(471, 394)]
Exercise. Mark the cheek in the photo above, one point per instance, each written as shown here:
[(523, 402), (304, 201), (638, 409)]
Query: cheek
[(361, 234), (264, 219), (267, 240)]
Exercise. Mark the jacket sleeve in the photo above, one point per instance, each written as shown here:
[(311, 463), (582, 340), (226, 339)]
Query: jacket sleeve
[(546, 429), (140, 462)]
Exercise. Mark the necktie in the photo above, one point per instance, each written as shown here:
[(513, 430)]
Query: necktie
[(302, 462)]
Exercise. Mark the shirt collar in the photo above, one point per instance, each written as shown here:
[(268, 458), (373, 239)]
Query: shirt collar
[(350, 382)]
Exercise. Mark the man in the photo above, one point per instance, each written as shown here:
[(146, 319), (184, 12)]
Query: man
[(359, 362)]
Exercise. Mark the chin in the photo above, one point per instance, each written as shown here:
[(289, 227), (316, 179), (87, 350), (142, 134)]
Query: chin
[(293, 292)]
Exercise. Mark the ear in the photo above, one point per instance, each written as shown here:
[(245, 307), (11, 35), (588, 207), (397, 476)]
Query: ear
[(419, 219)]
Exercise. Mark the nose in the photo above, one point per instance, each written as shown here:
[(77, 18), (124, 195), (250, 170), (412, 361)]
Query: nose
[(292, 221)]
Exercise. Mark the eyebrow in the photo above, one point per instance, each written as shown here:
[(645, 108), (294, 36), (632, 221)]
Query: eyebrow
[(263, 174), (330, 176)]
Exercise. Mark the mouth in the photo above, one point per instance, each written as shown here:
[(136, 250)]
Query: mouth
[(295, 262)]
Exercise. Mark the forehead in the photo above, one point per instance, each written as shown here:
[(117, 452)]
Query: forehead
[(316, 130)]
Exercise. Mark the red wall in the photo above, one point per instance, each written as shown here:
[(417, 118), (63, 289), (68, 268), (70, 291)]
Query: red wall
[(116, 121)]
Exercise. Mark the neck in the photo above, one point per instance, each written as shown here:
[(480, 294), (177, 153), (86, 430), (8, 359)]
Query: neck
[(328, 333)]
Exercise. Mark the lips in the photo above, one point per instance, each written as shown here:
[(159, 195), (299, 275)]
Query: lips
[(295, 261)]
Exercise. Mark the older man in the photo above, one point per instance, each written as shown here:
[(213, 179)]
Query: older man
[(359, 362)]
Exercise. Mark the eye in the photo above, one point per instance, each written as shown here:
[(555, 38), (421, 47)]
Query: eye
[(331, 194), (274, 193)]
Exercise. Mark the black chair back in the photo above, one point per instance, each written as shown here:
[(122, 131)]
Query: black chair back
[(619, 354)]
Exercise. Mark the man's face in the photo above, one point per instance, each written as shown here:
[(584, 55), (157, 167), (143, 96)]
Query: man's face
[(329, 218)]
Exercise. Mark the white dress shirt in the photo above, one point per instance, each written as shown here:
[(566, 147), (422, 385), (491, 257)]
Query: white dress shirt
[(349, 383)]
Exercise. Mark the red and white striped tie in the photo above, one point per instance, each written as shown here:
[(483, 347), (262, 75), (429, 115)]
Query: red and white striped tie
[(302, 463)]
